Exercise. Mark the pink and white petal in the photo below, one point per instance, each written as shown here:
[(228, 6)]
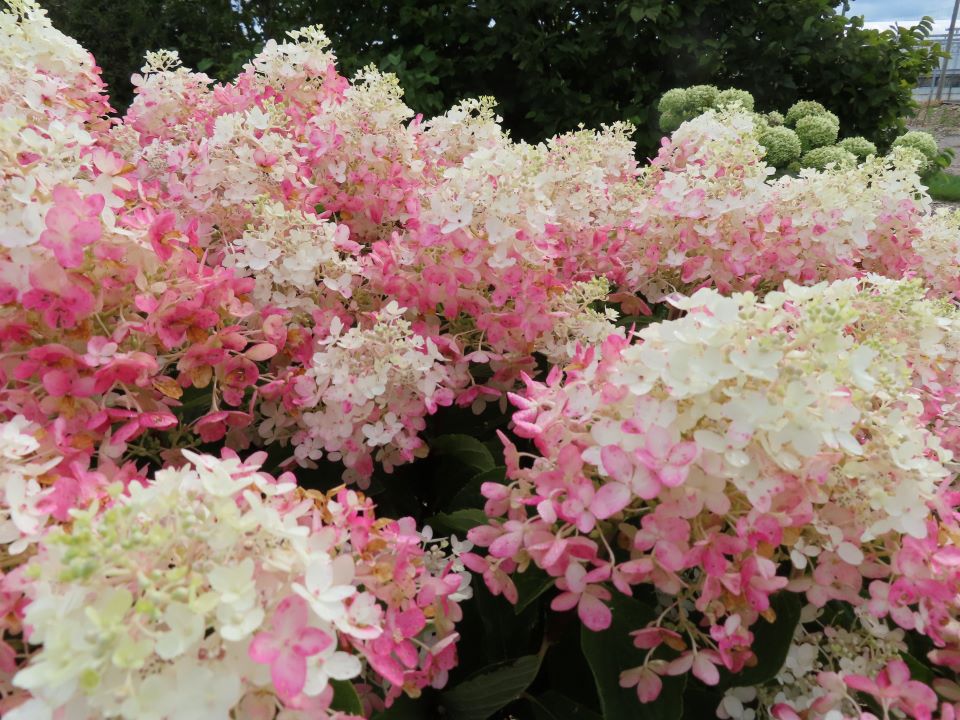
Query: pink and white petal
[(649, 687), (312, 641), (609, 500), (507, 545), (290, 617), (673, 475), (565, 601), (705, 670), (681, 665), (658, 444), (645, 484), (683, 453), (594, 612), (264, 648), (342, 666), (289, 674), (616, 463)]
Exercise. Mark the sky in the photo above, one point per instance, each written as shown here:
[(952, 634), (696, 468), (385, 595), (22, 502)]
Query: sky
[(892, 10)]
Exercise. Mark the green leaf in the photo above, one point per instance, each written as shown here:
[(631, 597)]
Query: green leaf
[(469, 495), (610, 652), (531, 584), (405, 708), (465, 450), (918, 670), (771, 642), (551, 705), (492, 689), (345, 697), (637, 13), (459, 521)]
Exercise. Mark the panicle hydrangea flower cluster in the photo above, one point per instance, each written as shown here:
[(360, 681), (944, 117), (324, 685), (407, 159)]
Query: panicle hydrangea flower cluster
[(710, 216), (369, 388), (823, 666), (296, 258), (240, 590), (747, 436)]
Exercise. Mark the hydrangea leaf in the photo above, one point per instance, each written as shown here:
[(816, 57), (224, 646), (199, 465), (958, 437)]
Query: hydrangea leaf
[(611, 651), (492, 689), (345, 697)]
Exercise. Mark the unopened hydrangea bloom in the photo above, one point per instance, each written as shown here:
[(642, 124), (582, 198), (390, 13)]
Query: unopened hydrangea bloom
[(816, 131), (742, 436), (859, 146), (802, 109), (228, 584)]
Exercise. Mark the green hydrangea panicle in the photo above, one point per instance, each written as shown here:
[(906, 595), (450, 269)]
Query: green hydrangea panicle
[(775, 118), (922, 142), (859, 146), (832, 155), (672, 101), (781, 144), (733, 96), (802, 109), (670, 121), (902, 155), (700, 97), (816, 131)]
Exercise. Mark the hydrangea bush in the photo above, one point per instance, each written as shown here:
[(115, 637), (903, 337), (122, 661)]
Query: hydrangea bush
[(806, 137), (272, 348)]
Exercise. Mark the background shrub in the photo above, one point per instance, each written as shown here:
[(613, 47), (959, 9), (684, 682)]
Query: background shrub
[(550, 63)]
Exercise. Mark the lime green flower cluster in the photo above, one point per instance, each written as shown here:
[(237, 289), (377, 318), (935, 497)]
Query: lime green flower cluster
[(859, 146), (781, 144), (802, 109), (807, 136), (681, 104), (924, 144), (775, 118), (816, 131), (833, 155)]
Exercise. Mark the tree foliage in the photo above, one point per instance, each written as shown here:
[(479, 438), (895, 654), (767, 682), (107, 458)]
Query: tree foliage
[(550, 63)]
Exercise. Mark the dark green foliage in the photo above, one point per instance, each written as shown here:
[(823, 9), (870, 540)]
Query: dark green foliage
[(612, 651), (550, 63), (209, 34)]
